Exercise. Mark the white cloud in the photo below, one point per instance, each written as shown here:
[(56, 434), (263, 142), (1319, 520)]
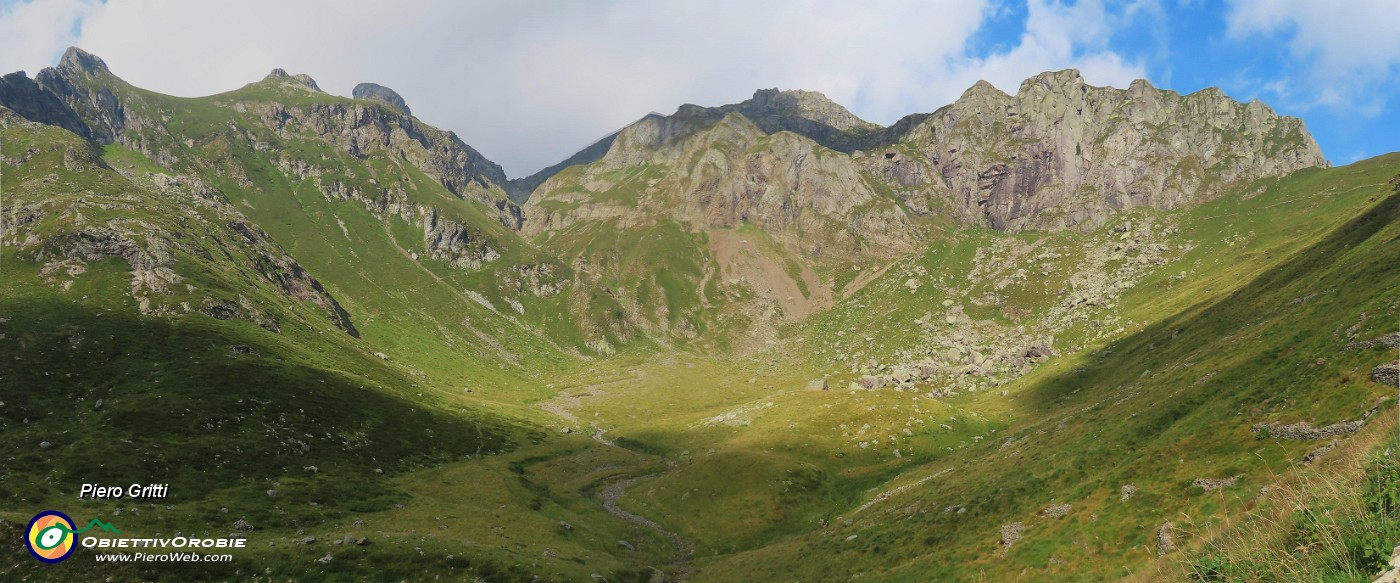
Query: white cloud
[(530, 82), (1348, 50), (1057, 36), (34, 34)]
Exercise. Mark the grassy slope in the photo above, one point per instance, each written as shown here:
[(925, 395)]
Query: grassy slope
[(121, 398)]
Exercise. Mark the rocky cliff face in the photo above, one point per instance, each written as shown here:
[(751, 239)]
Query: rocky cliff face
[(1063, 154)]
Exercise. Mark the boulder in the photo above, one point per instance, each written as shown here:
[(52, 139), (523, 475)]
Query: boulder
[(1166, 543)]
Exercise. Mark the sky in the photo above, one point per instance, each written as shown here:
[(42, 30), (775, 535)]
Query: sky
[(529, 82)]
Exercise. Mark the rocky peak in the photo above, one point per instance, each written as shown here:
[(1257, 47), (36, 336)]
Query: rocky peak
[(78, 60), (809, 105), (81, 96), (1064, 154), (983, 89), (1059, 81), (382, 94), (298, 80)]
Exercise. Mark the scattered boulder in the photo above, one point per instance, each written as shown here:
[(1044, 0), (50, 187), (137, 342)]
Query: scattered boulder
[(818, 384), (240, 349), (362, 541), (1315, 454), (307, 540), (44, 445), (1128, 490), (220, 310), (1056, 511), (1387, 374), (381, 356), (871, 382), (242, 525), (1038, 351), (326, 559), (1166, 543), (1010, 533)]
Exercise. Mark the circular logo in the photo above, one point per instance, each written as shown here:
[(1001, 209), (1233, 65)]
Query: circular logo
[(50, 536)]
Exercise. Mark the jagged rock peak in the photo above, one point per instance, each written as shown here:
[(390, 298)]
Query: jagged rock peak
[(1065, 78), (1140, 87), (983, 88), (382, 94), (809, 105), (301, 79), (76, 59)]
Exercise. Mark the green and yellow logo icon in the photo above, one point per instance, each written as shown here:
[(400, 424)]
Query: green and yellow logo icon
[(51, 535)]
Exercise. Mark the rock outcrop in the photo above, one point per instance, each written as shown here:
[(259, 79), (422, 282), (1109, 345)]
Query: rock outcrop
[(382, 94), (1213, 484), (1387, 374), (1166, 541), (1010, 534), (1304, 431), (1391, 340), (362, 130), (299, 80)]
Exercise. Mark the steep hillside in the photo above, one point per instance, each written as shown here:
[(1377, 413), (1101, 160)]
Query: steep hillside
[(155, 333), (167, 333)]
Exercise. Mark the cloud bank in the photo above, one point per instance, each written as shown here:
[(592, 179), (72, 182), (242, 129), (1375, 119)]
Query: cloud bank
[(1343, 55), (530, 82)]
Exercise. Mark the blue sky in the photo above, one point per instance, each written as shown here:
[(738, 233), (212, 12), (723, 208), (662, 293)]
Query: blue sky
[(528, 82)]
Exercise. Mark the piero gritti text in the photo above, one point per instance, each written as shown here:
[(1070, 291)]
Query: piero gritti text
[(134, 492)]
